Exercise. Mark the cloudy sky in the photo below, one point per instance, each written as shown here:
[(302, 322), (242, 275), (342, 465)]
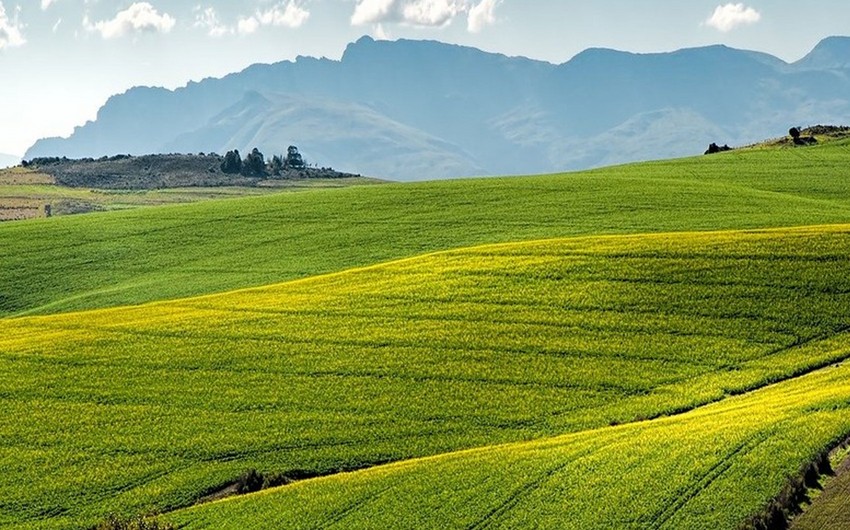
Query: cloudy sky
[(61, 59)]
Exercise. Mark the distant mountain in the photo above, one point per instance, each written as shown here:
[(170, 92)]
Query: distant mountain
[(832, 53), (9, 160), (422, 110)]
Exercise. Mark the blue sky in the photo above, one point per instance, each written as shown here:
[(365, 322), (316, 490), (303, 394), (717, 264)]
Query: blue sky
[(61, 59)]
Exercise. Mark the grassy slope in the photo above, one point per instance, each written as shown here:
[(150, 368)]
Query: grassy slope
[(146, 407), (707, 469), (24, 193), (137, 256)]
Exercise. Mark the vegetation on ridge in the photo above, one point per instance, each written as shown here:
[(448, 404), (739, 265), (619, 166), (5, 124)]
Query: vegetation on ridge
[(155, 171)]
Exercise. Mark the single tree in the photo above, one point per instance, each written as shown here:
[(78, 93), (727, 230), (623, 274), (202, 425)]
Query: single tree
[(276, 165), (294, 160), (232, 162), (254, 164)]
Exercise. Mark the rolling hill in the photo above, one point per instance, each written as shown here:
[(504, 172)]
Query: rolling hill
[(635, 339), (415, 110), (139, 256), (708, 469), (151, 407)]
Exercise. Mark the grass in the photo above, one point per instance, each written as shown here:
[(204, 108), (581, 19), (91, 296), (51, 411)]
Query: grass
[(707, 469), (25, 192), (147, 408), (119, 258)]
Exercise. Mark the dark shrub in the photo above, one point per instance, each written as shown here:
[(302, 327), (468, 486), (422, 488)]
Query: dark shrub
[(249, 482)]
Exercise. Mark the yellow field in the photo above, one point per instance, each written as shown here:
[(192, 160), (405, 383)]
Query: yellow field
[(151, 407)]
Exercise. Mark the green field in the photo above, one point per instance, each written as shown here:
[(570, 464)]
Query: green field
[(707, 469), (143, 255), (628, 347), (142, 408)]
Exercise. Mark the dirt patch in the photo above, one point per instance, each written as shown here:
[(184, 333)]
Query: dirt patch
[(19, 213), (18, 176), (829, 508)]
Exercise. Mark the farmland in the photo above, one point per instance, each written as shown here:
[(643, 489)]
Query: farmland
[(707, 469), (129, 257), (24, 193), (656, 345), (146, 408)]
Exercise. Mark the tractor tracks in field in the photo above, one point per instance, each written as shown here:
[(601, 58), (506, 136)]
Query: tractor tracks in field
[(682, 498)]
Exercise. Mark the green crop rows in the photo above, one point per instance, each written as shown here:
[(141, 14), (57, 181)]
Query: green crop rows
[(144, 408), (706, 469), (566, 374), (120, 258)]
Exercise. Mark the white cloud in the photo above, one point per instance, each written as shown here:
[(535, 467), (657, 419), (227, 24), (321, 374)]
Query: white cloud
[(372, 11), (141, 17), (45, 4), (424, 13), (10, 31), (482, 15), (729, 16), (432, 13), (56, 26), (291, 14), (248, 25), (207, 19)]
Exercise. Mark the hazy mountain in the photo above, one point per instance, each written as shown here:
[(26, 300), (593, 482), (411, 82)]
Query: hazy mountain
[(830, 54), (332, 133), (9, 160), (423, 109)]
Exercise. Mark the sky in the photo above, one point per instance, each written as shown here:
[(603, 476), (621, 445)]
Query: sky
[(60, 60)]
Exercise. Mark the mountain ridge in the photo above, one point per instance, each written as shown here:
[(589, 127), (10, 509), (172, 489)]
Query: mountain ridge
[(7, 160), (480, 112)]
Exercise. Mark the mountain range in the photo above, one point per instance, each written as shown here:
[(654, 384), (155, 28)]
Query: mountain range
[(414, 110), (8, 160)]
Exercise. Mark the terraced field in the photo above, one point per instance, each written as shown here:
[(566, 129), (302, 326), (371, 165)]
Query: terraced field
[(147, 408)]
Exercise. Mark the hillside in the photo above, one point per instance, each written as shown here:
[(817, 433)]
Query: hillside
[(705, 470), (27, 193), (164, 171), (139, 256), (419, 110), (152, 407)]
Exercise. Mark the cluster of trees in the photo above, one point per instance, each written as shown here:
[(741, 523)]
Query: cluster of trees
[(798, 139), (714, 148), (254, 164), (54, 160)]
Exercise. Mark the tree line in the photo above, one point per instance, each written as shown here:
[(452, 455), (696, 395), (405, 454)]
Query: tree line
[(255, 165)]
